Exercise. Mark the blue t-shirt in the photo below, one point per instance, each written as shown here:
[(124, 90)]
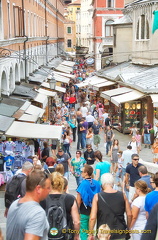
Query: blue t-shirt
[(150, 200), (133, 172), (104, 167)]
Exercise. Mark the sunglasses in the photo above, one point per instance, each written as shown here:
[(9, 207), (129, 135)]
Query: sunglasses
[(44, 178), (136, 159)]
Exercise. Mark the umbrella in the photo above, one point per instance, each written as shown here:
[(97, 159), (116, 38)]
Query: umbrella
[(90, 61)]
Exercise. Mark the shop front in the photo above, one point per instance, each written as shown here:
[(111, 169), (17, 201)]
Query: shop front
[(128, 108)]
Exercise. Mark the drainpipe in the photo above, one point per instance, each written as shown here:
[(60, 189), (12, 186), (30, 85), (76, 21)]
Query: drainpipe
[(46, 32), (57, 25), (24, 41)]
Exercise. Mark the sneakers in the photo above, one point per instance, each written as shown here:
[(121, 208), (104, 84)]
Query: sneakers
[(149, 146), (145, 146)]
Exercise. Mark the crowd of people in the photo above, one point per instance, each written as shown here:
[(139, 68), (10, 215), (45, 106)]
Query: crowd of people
[(115, 199)]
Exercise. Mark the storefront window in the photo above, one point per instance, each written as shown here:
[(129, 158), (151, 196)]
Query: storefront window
[(132, 116)]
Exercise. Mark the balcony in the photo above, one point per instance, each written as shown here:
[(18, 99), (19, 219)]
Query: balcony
[(108, 41)]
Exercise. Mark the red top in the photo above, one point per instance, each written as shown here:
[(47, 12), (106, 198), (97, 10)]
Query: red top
[(72, 100)]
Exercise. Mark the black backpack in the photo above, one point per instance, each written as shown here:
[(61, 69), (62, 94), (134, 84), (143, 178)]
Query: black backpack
[(56, 215), (13, 189)]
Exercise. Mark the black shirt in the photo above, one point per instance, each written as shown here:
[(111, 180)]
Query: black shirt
[(96, 129), (80, 126), (133, 172), (63, 160), (45, 152), (105, 215), (89, 154)]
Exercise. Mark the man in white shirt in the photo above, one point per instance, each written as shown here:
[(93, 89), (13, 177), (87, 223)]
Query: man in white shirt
[(134, 145), (126, 158), (90, 119), (84, 110)]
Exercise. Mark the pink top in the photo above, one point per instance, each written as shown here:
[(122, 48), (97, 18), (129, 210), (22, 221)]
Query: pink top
[(138, 138)]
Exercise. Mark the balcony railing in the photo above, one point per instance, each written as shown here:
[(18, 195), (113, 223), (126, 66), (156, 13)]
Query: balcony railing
[(107, 41)]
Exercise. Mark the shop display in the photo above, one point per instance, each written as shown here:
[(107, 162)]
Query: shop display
[(131, 116)]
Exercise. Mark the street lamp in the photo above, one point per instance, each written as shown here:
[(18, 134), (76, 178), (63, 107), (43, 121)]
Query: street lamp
[(52, 82)]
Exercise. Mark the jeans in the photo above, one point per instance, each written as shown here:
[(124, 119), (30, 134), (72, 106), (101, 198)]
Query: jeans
[(74, 134), (84, 225), (147, 138), (66, 175), (108, 146), (118, 175), (83, 140), (79, 180), (66, 148), (79, 142)]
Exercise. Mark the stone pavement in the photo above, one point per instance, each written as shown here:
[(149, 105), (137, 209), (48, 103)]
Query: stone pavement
[(145, 154)]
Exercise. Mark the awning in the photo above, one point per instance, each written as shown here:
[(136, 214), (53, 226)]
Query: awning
[(41, 98), (154, 98), (5, 123), (95, 80), (68, 63), (57, 88), (60, 78), (26, 105), (47, 93), (64, 74), (83, 84), (126, 97), (33, 110), (114, 92), (31, 130), (103, 84), (61, 68), (7, 110), (28, 118)]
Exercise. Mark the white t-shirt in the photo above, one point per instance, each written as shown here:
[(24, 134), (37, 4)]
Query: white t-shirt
[(84, 111), (105, 115), (134, 146), (141, 219), (90, 118)]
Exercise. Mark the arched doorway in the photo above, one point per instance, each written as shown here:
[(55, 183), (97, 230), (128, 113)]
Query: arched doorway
[(4, 88), (11, 81), (22, 72), (17, 79)]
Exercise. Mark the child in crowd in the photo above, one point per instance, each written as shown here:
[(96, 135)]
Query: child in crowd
[(138, 138), (104, 232), (119, 169)]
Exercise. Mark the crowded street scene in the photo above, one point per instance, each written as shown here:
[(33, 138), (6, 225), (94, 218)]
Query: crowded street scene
[(78, 120)]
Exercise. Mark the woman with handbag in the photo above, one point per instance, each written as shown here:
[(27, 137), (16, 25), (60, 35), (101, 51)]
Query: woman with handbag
[(108, 207)]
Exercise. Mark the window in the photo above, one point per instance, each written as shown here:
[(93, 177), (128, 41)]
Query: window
[(69, 43), (142, 31), (110, 3), (109, 28), (68, 29), (18, 22)]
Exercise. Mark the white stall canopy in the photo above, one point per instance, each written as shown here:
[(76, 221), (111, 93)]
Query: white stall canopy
[(114, 92), (47, 93), (28, 118), (126, 97), (41, 98), (33, 110), (57, 88), (154, 98), (31, 130)]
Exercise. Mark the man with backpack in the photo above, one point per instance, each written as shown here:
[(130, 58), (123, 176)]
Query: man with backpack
[(26, 218), (16, 186)]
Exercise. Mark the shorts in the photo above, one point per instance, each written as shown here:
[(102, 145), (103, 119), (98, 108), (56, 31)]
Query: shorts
[(96, 139), (155, 157), (54, 147)]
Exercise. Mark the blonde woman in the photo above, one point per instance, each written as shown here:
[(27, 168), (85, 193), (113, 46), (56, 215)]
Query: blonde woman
[(56, 197), (138, 211)]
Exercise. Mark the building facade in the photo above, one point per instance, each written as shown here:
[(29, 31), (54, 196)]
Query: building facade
[(104, 14), (31, 33)]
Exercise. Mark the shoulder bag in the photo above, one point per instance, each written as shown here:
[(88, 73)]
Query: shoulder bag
[(127, 234)]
